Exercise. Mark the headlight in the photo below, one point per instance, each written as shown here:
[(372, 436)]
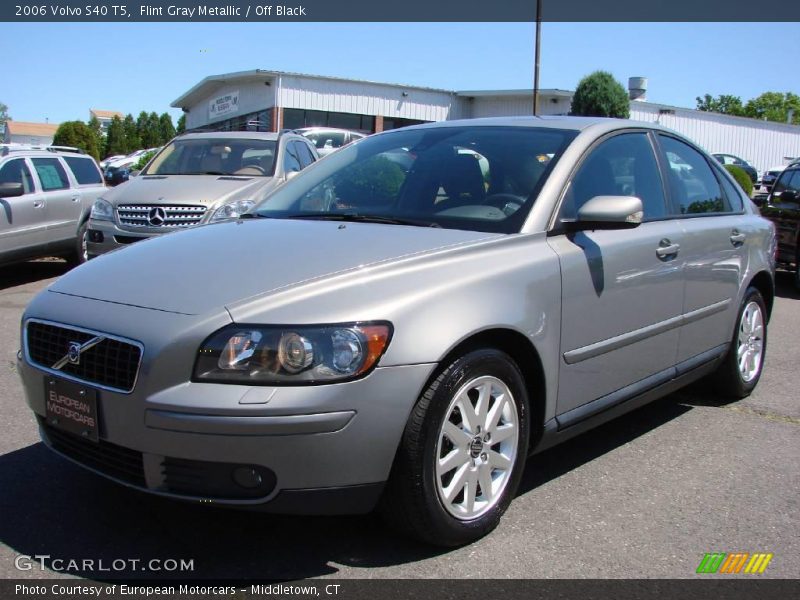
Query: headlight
[(274, 355), (102, 210), (232, 210)]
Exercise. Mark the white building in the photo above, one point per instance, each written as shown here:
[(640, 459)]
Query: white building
[(104, 117), (21, 132), (274, 100)]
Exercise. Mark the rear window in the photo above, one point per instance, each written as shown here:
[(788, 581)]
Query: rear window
[(84, 169)]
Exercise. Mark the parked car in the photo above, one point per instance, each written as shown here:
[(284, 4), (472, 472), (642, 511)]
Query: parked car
[(730, 159), (769, 176), (110, 159), (197, 178), (783, 208), (372, 335), (329, 139), (45, 200)]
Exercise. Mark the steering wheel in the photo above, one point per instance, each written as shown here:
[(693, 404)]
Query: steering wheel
[(508, 203)]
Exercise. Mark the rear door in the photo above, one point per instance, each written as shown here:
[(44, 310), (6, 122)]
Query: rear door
[(62, 200), (783, 209), (622, 290), (22, 219), (714, 235)]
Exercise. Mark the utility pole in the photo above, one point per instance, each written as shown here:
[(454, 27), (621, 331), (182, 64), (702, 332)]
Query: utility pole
[(536, 58)]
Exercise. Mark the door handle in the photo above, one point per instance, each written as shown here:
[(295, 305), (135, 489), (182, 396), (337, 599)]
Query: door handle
[(667, 249), (38, 204), (76, 198), (737, 237)]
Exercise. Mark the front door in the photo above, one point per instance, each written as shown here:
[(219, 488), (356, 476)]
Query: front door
[(22, 218)]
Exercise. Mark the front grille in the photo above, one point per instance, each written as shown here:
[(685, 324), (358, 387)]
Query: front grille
[(111, 363), (107, 458), (159, 215)]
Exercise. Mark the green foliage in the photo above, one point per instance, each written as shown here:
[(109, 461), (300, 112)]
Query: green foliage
[(181, 124), (373, 182), (149, 130), (770, 106), (143, 160), (4, 113), (774, 106), (115, 138), (725, 104), (600, 95), (166, 129), (742, 178), (97, 131), (79, 135), (132, 140)]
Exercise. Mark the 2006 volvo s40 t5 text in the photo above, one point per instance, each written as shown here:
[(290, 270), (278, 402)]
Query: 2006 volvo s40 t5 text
[(404, 323)]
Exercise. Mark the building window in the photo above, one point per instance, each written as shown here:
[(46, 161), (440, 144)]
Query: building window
[(255, 121), (297, 118)]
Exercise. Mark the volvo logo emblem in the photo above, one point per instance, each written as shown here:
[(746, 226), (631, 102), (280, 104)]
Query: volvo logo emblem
[(156, 216), (74, 351)]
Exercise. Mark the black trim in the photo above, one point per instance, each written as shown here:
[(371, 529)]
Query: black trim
[(611, 406), (347, 500)]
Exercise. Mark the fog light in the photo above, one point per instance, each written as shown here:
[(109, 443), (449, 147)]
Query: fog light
[(247, 477), (96, 236)]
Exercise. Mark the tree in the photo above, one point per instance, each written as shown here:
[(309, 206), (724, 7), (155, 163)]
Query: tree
[(115, 138), (79, 135), (166, 128), (97, 130), (148, 127), (181, 124), (774, 106), (4, 115), (600, 95), (132, 140), (724, 103)]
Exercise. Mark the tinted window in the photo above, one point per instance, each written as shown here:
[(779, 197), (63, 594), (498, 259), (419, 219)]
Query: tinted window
[(84, 169), (621, 166), (304, 153), (733, 193), (789, 180), (474, 178), (291, 162), (16, 171), (694, 187), (51, 174)]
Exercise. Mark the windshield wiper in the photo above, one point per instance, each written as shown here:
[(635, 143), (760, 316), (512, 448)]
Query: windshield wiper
[(357, 218)]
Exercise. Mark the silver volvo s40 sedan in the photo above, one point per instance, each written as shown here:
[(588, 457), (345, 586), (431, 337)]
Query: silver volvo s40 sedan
[(401, 325)]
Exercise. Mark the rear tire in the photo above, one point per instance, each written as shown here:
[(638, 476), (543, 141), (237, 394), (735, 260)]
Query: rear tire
[(80, 255), (462, 453), (740, 371)]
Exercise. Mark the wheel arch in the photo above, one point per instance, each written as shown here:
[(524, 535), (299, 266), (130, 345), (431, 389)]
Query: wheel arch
[(765, 284), (523, 352)]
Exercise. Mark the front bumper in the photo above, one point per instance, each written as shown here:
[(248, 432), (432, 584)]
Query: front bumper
[(105, 236), (323, 449)]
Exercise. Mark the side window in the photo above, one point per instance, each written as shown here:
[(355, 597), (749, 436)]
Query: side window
[(733, 194), (84, 169), (694, 187), (51, 174), (304, 154), (789, 181), (16, 171), (621, 166), (291, 162)]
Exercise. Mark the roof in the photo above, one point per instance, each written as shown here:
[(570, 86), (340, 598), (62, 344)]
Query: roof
[(261, 135), (25, 128), (527, 93), (547, 121), (105, 114)]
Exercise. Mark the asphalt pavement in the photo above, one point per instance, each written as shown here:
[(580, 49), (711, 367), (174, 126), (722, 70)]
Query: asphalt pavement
[(645, 496)]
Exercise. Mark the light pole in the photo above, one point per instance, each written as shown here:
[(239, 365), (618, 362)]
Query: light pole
[(536, 58)]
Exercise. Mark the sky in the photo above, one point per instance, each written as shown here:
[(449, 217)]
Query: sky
[(132, 67)]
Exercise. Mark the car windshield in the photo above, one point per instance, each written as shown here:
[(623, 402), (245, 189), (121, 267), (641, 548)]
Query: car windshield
[(215, 156), (475, 178)]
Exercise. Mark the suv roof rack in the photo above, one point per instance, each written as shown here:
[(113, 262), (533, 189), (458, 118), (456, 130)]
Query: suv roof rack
[(6, 149)]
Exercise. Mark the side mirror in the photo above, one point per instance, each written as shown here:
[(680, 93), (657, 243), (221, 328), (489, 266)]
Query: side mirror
[(292, 174), (610, 212), (11, 190)]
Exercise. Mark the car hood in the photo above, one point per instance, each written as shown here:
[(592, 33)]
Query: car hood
[(201, 269), (186, 189)]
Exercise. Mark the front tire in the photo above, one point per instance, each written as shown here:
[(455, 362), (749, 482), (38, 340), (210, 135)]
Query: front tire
[(739, 373), (462, 453), (80, 255)]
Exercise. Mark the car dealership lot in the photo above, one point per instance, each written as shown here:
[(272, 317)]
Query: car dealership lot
[(645, 496)]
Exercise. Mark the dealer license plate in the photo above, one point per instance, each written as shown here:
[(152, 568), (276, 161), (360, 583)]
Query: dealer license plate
[(71, 407)]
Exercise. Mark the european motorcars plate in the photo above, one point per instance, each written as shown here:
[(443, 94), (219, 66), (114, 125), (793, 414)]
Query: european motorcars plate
[(71, 407)]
